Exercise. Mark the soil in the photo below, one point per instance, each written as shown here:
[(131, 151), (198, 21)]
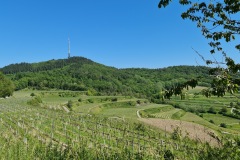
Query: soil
[(192, 130)]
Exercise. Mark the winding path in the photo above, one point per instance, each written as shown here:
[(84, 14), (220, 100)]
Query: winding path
[(139, 116), (232, 110)]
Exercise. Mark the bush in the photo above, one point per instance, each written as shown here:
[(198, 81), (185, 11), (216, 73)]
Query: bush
[(201, 110), (212, 110), (146, 101), (176, 105), (192, 110), (132, 103), (223, 110), (168, 155), (90, 101), (32, 95), (35, 101), (138, 102), (80, 100), (223, 125), (114, 99), (70, 104), (211, 121)]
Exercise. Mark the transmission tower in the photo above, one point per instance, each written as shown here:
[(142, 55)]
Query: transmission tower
[(68, 47)]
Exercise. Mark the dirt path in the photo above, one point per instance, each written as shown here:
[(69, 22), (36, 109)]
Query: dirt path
[(138, 114), (192, 130), (232, 110)]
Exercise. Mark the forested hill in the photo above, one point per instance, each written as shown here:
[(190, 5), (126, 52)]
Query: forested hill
[(44, 66), (81, 74)]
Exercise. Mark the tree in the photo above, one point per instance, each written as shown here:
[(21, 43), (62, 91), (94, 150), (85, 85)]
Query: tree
[(6, 86), (218, 23)]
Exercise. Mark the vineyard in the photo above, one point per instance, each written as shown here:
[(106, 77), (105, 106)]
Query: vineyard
[(167, 114), (33, 132)]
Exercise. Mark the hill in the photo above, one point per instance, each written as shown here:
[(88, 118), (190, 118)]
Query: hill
[(81, 74)]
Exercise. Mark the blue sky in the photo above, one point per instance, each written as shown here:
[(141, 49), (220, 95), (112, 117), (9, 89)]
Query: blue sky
[(123, 34)]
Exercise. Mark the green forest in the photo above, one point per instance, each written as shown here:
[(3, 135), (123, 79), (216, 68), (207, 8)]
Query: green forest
[(81, 74)]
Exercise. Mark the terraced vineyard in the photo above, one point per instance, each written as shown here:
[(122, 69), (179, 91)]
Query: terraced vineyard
[(167, 114), (210, 112), (29, 132)]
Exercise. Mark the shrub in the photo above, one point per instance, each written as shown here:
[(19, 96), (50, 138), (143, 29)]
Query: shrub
[(168, 155), (211, 121), (70, 104), (132, 103), (138, 102), (223, 125), (212, 110), (90, 101), (201, 110), (192, 110), (35, 101), (32, 94), (223, 110), (80, 100), (176, 105), (114, 99)]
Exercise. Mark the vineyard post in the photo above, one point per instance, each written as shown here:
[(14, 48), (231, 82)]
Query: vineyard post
[(109, 139), (177, 146), (52, 130), (132, 146), (79, 133), (165, 131), (65, 130), (117, 141), (144, 143)]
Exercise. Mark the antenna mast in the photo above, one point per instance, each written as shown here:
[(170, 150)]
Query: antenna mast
[(68, 47)]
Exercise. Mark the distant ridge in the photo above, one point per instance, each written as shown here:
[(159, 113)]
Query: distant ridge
[(82, 74), (43, 66)]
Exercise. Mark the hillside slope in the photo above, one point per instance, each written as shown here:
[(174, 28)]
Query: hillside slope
[(81, 74)]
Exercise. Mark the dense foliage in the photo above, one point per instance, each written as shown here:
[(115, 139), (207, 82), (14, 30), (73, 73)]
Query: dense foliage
[(81, 74), (6, 86), (219, 22)]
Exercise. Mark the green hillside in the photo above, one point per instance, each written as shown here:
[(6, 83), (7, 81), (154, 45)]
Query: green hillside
[(81, 74)]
